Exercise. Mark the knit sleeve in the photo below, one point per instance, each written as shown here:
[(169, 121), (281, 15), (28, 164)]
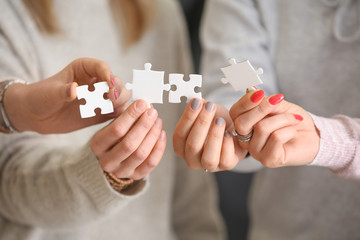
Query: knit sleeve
[(47, 182), (339, 145)]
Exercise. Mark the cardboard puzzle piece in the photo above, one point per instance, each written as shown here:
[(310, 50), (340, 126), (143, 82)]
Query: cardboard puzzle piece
[(148, 85), (94, 99), (184, 88), (241, 75)]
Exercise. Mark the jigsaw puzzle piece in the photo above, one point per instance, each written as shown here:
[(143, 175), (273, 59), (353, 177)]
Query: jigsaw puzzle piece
[(241, 75), (148, 85), (184, 88), (94, 99)]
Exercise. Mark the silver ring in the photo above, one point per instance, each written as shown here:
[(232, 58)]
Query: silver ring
[(243, 138)]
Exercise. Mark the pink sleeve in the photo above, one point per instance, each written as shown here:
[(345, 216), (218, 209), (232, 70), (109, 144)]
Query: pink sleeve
[(339, 145)]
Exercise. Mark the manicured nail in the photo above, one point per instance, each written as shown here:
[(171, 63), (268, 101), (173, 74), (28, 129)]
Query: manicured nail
[(195, 104), (209, 106), (257, 96), (276, 99), (112, 79), (151, 112), (140, 105), (298, 117), (116, 93), (227, 134), (163, 135), (219, 121), (158, 122)]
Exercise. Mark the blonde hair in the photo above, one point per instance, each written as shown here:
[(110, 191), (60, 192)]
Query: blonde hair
[(135, 16)]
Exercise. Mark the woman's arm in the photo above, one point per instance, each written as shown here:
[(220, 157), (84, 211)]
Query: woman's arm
[(284, 134), (339, 145), (58, 181), (51, 106)]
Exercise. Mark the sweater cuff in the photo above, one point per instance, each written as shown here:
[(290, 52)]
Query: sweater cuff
[(337, 143), (87, 173)]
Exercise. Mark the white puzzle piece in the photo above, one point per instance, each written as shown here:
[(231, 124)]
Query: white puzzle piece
[(148, 85), (184, 88), (241, 75), (94, 99)]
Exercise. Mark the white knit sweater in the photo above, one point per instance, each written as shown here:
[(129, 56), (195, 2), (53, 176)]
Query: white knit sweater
[(52, 187)]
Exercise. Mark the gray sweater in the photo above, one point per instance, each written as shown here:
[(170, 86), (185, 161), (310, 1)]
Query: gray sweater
[(52, 187), (310, 52)]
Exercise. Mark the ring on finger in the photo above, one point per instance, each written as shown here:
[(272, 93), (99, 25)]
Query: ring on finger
[(243, 138)]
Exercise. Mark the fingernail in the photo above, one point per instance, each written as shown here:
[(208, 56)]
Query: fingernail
[(257, 96), (227, 134), (298, 117), (163, 135), (116, 93), (219, 121), (151, 112), (112, 79), (158, 122), (209, 106), (276, 99), (195, 104), (140, 105)]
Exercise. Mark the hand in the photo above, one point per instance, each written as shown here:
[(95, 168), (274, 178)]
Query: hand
[(133, 144), (50, 105), (284, 134), (201, 140)]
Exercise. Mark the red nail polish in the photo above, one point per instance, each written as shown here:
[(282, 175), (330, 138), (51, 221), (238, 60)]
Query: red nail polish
[(116, 93), (257, 96), (298, 117), (276, 99), (112, 80)]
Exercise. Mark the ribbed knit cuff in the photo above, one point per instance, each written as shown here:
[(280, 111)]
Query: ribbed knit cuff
[(337, 143), (87, 173)]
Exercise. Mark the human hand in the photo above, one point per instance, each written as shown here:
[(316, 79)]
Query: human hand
[(284, 134), (200, 140), (133, 144), (51, 106)]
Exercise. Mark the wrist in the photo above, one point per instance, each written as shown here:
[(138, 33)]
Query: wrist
[(15, 105), (11, 106), (119, 184)]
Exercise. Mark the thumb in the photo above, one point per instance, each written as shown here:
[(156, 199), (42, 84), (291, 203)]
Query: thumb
[(68, 91)]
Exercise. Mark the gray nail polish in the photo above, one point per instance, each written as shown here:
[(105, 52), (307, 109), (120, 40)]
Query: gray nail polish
[(219, 121), (195, 104), (227, 134), (209, 106)]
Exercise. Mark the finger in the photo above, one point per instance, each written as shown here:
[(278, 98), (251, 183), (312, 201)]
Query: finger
[(86, 68), (130, 142), (127, 167), (246, 121), (228, 159), (264, 128), (153, 160), (247, 102), (184, 126), (116, 130), (69, 91), (273, 154), (119, 95), (197, 136), (212, 149)]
